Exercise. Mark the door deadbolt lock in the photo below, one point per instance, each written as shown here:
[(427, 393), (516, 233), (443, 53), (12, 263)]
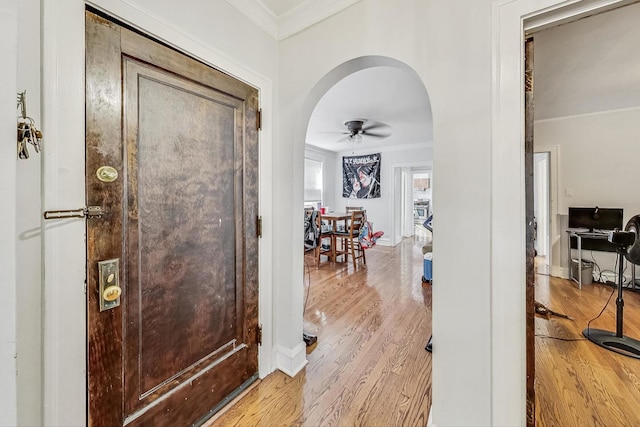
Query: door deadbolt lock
[(109, 283)]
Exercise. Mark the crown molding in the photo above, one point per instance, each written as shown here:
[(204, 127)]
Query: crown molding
[(304, 15), (257, 12), (307, 14)]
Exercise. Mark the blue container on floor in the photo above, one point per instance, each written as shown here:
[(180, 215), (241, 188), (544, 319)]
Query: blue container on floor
[(428, 267)]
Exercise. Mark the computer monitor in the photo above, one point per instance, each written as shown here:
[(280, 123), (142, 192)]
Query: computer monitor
[(596, 218)]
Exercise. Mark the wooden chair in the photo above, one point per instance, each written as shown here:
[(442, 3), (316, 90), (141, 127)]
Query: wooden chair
[(349, 209), (349, 239), (327, 233)]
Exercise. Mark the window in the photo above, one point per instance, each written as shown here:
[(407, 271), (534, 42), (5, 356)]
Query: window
[(312, 182)]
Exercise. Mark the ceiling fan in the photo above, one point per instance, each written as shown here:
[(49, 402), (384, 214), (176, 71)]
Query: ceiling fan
[(358, 128)]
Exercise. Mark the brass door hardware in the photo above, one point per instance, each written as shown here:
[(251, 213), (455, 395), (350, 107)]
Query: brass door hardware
[(109, 289), (88, 212)]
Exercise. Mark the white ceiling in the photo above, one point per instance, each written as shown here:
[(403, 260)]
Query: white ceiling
[(389, 95)]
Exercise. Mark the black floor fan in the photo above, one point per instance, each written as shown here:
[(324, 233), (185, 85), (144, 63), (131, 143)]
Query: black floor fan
[(628, 245)]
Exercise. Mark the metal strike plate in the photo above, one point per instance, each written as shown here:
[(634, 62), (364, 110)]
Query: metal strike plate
[(109, 284)]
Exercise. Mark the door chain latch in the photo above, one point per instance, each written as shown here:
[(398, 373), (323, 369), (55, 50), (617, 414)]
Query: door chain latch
[(87, 212)]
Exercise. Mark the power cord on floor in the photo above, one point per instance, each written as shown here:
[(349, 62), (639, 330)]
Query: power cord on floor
[(308, 338), (588, 324), (601, 311), (560, 339)]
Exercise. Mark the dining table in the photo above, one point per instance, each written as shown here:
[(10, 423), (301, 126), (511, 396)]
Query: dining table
[(334, 218)]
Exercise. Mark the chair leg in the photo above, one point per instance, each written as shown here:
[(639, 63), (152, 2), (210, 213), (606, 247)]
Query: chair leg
[(353, 254)]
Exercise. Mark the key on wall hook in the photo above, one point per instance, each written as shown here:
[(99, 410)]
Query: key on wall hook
[(27, 131), (22, 103)]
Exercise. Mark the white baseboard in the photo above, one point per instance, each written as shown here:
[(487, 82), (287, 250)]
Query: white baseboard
[(291, 361), (384, 241), (430, 419), (556, 271)]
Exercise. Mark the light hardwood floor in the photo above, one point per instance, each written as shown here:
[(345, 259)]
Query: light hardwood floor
[(369, 366), (577, 382)]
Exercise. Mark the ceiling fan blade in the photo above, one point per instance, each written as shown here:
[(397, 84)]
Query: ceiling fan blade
[(375, 125), (376, 134), (344, 139)]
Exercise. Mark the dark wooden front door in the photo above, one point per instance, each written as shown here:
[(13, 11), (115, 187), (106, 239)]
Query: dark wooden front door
[(181, 220)]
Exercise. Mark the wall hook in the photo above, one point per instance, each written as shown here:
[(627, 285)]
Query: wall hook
[(27, 131)]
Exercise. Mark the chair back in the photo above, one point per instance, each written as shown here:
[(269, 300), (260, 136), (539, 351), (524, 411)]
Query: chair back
[(319, 225), (357, 219), (352, 208)]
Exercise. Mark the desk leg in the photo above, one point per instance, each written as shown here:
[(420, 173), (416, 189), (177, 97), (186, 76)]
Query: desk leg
[(579, 258), (569, 256), (579, 262)]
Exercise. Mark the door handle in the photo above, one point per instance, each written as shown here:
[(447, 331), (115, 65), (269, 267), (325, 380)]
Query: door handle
[(88, 212)]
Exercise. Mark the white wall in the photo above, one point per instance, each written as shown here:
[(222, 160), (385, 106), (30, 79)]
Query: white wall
[(382, 211), (598, 162), (8, 259), (451, 52), (29, 247), (588, 103)]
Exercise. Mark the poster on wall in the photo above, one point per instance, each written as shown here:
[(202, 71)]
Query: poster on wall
[(361, 176)]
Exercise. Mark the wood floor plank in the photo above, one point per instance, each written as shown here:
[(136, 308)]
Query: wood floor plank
[(369, 367), (577, 382)]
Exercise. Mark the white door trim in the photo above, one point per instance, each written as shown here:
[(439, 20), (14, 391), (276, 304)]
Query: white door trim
[(63, 177), (554, 186), (398, 168)]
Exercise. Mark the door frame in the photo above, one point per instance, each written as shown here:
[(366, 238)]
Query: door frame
[(542, 203), (64, 254), (554, 186), (510, 20), (398, 224)]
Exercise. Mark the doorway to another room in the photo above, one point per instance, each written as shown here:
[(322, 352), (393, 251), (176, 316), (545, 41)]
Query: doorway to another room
[(421, 196), (354, 133), (580, 131), (541, 211)]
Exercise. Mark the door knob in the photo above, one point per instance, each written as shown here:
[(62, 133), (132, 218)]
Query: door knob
[(111, 293), (109, 283)]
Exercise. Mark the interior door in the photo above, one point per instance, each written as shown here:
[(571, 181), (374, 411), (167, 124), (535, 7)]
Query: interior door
[(530, 232), (172, 157)]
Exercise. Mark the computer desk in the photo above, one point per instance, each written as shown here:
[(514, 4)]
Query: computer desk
[(594, 241)]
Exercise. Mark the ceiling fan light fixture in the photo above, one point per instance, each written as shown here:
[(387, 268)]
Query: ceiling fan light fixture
[(357, 138)]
